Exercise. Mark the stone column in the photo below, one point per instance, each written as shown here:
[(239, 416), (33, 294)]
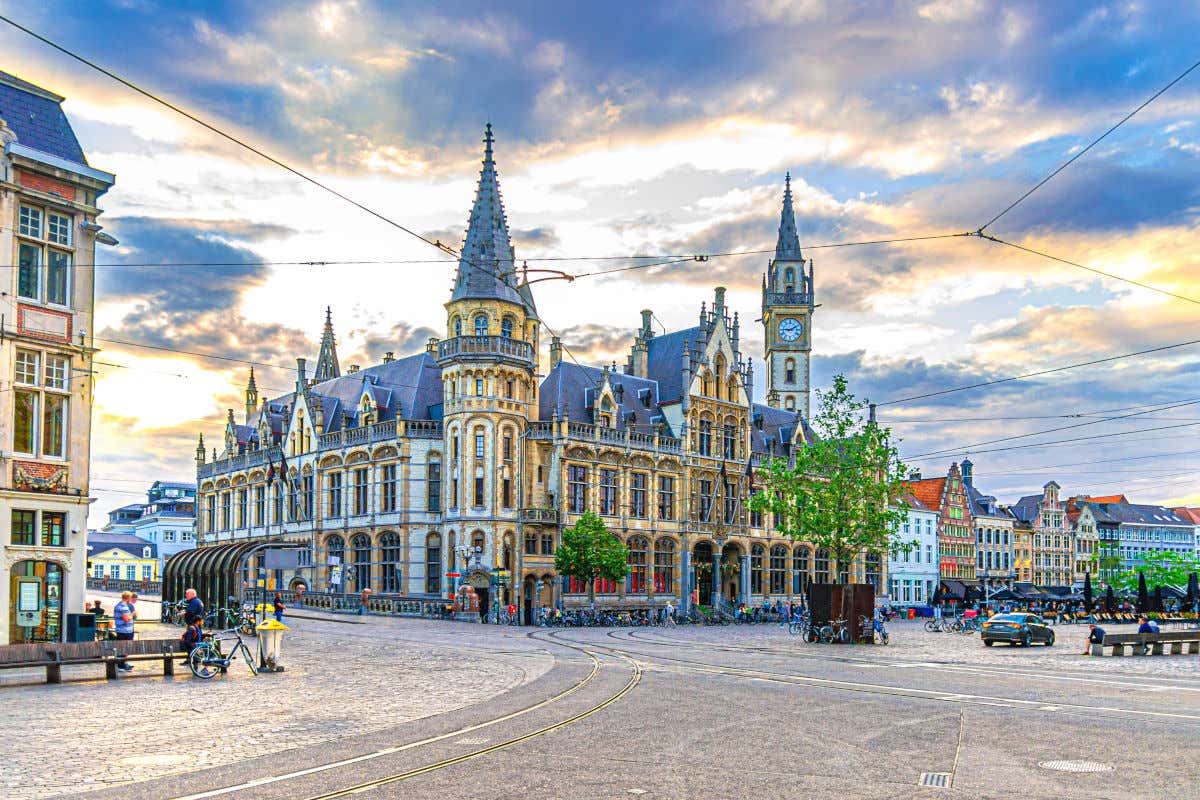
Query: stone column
[(744, 579), (685, 580)]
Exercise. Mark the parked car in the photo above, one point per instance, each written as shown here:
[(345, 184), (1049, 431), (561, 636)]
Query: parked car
[(1022, 629)]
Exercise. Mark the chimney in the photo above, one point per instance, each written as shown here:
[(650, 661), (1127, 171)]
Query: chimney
[(719, 302), (301, 381), (389, 356), (647, 332), (914, 474), (555, 351)]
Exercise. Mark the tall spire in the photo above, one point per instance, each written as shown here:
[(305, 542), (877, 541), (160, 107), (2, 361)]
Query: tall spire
[(327, 360), (487, 268), (787, 247), (251, 396)]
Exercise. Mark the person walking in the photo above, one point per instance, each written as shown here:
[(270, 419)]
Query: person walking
[(278, 607), (96, 609), (123, 616)]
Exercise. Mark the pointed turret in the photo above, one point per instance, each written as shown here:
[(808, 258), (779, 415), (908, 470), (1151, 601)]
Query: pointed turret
[(787, 246), (251, 396), (486, 267), (327, 360)]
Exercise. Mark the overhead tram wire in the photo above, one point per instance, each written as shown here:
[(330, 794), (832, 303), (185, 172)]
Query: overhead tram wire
[(1075, 440), (1038, 373), (1093, 143), (972, 446), (1070, 263)]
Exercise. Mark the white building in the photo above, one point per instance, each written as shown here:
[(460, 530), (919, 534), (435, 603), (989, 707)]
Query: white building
[(914, 573), (48, 234), (168, 520)]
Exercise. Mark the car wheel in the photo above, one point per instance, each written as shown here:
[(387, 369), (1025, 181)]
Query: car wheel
[(1050, 640), (1026, 640), (988, 643)]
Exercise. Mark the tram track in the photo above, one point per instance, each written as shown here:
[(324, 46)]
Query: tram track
[(1150, 683), (863, 687), (396, 777)]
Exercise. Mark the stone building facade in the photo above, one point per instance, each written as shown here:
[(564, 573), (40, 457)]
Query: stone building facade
[(464, 462), (48, 231)]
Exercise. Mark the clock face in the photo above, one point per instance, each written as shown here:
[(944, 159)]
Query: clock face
[(790, 329)]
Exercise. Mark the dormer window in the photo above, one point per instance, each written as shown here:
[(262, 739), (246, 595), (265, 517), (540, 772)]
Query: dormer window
[(481, 325)]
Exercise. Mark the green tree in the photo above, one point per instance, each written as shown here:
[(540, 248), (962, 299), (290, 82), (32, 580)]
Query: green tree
[(588, 551), (1161, 567), (839, 492)]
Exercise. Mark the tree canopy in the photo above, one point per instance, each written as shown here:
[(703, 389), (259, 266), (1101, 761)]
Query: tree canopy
[(1161, 568), (588, 551), (839, 491)]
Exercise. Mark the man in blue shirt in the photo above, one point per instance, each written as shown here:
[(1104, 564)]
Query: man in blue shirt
[(1095, 636), (193, 610), (123, 617)]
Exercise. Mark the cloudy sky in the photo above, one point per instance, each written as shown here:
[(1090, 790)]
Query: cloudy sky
[(659, 128)]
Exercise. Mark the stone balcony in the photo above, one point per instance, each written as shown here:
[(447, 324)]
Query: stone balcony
[(488, 348)]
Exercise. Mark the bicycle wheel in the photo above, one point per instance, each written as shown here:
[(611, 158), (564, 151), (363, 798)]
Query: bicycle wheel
[(203, 661), (843, 636), (794, 628), (883, 636), (931, 625)]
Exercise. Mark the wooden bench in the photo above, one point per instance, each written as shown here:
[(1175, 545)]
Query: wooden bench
[(1154, 642), (52, 656)]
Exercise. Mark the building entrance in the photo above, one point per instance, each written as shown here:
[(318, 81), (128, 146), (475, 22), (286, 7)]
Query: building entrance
[(702, 564), (43, 598)]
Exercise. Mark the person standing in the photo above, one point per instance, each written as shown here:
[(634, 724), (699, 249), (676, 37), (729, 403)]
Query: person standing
[(278, 607), (96, 609), (123, 617), (193, 609)]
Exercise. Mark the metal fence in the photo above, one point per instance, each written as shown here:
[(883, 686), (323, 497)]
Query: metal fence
[(337, 602)]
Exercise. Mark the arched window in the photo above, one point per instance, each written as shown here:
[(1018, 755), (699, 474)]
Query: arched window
[(481, 325), (706, 385), (719, 382), (433, 564), (457, 326), (506, 326), (756, 568), (361, 545), (789, 371), (789, 280), (638, 551), (800, 570), (335, 548), (705, 439), (790, 404), (821, 566), (664, 566), (391, 570), (778, 569)]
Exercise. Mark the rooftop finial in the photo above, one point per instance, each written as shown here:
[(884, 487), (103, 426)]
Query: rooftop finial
[(487, 142)]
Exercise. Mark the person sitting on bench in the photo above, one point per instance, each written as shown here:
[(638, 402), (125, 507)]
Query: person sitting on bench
[(1145, 626), (1095, 636)]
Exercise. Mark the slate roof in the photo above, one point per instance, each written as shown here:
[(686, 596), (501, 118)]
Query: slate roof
[(407, 388), (487, 266), (36, 117), (569, 389), (664, 358), (98, 542), (1026, 509), (778, 427), (910, 500), (979, 506)]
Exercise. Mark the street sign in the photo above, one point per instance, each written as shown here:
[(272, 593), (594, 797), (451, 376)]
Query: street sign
[(279, 558), (335, 575)]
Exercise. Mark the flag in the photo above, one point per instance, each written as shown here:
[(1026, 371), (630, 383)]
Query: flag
[(270, 473)]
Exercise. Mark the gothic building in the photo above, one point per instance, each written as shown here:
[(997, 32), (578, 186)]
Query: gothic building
[(465, 461)]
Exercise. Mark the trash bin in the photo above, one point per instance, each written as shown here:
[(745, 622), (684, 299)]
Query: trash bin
[(270, 644), (81, 627), (912, 613)]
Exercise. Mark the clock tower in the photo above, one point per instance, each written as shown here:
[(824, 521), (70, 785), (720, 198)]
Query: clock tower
[(787, 307)]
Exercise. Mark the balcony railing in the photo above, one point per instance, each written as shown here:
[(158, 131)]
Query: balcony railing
[(788, 299), (539, 515), (485, 347)]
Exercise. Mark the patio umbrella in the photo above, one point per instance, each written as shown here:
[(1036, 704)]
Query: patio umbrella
[(1110, 601), (1087, 591), (1193, 590), (1143, 598), (1158, 601)]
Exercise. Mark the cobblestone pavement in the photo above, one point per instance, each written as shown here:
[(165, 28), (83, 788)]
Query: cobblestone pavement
[(340, 679), (909, 641)]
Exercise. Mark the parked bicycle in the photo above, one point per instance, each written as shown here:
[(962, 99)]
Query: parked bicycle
[(874, 629), (207, 658)]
